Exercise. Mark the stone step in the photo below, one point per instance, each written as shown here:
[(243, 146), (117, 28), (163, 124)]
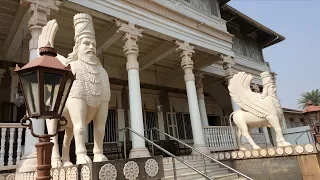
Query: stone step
[(185, 169), (191, 162), (191, 175), (229, 176)]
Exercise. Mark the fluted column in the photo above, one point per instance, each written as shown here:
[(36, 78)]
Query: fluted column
[(131, 51), (202, 104), (186, 52), (39, 11), (228, 62)]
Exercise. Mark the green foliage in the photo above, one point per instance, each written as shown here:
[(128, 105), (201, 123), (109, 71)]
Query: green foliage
[(313, 96)]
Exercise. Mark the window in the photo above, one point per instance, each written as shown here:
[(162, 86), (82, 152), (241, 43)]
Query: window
[(179, 125), (172, 124), (111, 129), (206, 6), (291, 120), (303, 123), (150, 120)]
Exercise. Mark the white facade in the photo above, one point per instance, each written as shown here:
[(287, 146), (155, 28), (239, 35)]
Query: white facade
[(192, 27)]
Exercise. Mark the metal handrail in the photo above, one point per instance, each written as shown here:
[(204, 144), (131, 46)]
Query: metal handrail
[(204, 155), (308, 130), (165, 151)]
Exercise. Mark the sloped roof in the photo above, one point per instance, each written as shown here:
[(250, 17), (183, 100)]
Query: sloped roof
[(265, 36), (311, 108), (294, 111)]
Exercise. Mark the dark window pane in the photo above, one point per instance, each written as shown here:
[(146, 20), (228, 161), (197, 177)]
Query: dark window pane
[(31, 90), (51, 84)]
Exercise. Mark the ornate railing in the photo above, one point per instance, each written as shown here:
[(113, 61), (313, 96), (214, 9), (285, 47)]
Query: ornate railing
[(220, 138), (11, 135)]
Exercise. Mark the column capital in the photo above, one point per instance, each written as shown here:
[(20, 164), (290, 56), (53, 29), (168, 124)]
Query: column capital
[(255, 88), (40, 10), (128, 28), (199, 76), (130, 38), (186, 51), (227, 60), (228, 63)]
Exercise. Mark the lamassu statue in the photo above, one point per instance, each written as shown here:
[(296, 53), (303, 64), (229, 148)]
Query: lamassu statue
[(89, 95), (257, 110)]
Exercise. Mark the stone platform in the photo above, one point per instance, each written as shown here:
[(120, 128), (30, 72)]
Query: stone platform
[(126, 169), (296, 162)]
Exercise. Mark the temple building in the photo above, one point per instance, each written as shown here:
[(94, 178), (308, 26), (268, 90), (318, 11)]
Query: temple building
[(186, 52)]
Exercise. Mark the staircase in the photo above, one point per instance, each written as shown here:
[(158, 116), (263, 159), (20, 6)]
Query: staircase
[(183, 172)]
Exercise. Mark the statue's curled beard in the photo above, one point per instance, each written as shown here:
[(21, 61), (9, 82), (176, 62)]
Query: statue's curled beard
[(89, 59)]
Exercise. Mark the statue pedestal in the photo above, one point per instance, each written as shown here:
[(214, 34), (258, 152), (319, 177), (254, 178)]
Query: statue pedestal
[(294, 162), (136, 168)]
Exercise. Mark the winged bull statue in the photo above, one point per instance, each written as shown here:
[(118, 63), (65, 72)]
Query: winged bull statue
[(257, 110), (89, 96)]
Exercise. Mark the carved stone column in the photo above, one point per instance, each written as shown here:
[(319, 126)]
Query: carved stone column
[(131, 50), (39, 11), (202, 104), (186, 52), (228, 62)]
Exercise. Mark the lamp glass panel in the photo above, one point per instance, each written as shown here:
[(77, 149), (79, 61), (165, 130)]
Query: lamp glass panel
[(51, 84), (65, 94), (30, 82)]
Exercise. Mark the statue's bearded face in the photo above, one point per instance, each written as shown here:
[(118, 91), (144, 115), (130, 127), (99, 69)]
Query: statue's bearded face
[(272, 90), (87, 49)]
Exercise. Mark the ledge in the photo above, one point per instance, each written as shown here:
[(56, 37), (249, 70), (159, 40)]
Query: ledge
[(294, 150)]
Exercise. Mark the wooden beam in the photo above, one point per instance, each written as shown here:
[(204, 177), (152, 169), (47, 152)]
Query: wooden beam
[(107, 38), (178, 73), (157, 54), (14, 38), (148, 86)]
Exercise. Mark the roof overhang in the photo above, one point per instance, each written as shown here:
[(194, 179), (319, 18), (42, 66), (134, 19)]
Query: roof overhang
[(265, 36), (223, 2), (293, 111)]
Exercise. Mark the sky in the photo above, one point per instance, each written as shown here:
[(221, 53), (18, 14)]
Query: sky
[(296, 59)]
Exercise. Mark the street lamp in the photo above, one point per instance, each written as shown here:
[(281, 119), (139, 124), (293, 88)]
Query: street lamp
[(45, 84), (312, 113)]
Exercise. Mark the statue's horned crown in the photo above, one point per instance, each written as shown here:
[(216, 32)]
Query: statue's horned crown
[(266, 78), (83, 26)]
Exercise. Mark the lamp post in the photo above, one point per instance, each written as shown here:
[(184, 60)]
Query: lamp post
[(45, 84), (312, 113)]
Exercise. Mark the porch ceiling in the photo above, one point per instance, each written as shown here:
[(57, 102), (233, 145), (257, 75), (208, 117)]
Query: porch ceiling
[(153, 47)]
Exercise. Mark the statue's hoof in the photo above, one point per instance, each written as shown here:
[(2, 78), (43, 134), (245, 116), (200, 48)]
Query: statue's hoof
[(242, 149), (99, 158), (56, 163), (256, 147), (67, 163), (283, 143), (83, 159)]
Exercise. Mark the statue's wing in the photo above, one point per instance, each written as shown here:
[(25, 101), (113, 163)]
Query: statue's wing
[(240, 92), (47, 35)]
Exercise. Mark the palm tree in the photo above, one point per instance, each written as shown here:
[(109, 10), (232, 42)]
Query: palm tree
[(313, 96)]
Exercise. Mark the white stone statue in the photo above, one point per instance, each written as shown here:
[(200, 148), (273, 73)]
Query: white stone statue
[(257, 110), (89, 96)]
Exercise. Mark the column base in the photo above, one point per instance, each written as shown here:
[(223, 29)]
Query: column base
[(139, 152), (28, 163), (202, 148)]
